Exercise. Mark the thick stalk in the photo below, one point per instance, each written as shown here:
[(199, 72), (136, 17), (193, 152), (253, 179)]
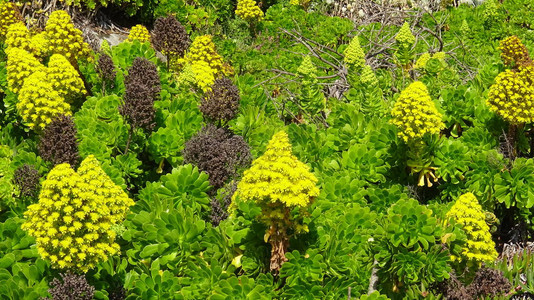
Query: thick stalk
[(279, 241)]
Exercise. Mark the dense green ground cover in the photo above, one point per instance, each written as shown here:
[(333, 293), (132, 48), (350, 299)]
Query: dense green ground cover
[(232, 151)]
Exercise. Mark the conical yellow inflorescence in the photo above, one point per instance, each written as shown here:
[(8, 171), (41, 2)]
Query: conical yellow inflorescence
[(368, 77), (405, 35), (513, 52), (9, 14), (63, 38), (415, 114), (39, 103), (64, 78), (512, 95), (307, 68), (72, 221), (467, 212), (249, 11), (20, 65), (354, 55), (278, 176), (18, 36), (205, 62)]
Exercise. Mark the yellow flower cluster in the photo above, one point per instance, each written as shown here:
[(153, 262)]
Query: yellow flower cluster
[(405, 36), (206, 63), (204, 75), (18, 36), (39, 44), (39, 103), (249, 11), (203, 49), (422, 60), (9, 14), (63, 38), (354, 55), (278, 177), (513, 52), (72, 222), (415, 113), (512, 95), (439, 56), (140, 33), (64, 78), (20, 65), (368, 77), (467, 212), (425, 57)]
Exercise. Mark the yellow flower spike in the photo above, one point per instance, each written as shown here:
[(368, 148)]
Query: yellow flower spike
[(66, 80), (415, 103), (467, 212), (513, 52), (405, 35), (18, 36), (64, 38), (272, 173), (70, 232), (39, 103), (20, 64), (354, 55), (9, 14), (204, 62), (249, 11), (512, 95)]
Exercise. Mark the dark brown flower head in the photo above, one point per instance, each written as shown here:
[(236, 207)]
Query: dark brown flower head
[(26, 178), (106, 68), (58, 142), (221, 104), (489, 282), (142, 89), (170, 37), (218, 152), (73, 287)]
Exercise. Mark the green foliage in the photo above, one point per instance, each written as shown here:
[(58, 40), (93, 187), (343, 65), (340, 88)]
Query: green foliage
[(407, 246), (184, 186), (101, 129), (384, 183), (243, 288), (182, 120), (22, 273), (164, 242), (513, 188)]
